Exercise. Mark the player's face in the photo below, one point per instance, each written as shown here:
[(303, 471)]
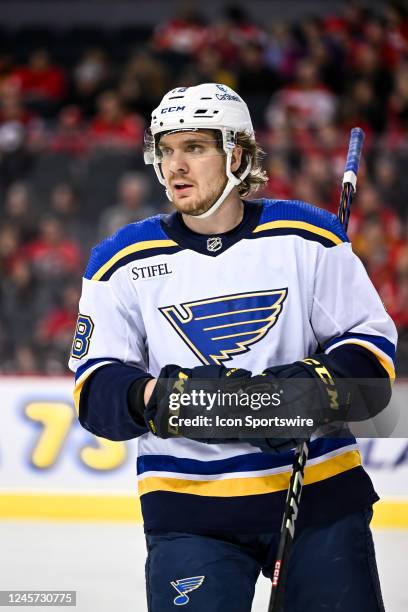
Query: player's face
[(194, 170)]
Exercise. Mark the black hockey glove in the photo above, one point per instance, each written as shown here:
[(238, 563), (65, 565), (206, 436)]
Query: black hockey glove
[(308, 389), (174, 380), (322, 396)]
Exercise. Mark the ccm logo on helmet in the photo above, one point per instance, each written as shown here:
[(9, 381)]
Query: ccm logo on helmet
[(172, 109)]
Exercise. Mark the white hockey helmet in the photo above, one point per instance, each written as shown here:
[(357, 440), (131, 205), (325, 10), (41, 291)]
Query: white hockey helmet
[(207, 106)]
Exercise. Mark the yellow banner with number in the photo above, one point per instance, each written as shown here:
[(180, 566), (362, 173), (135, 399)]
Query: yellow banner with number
[(52, 469)]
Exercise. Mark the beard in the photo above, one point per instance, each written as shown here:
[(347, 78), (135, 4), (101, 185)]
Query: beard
[(201, 205)]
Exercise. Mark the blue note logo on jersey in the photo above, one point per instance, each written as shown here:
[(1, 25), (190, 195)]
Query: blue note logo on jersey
[(218, 328), (184, 586)]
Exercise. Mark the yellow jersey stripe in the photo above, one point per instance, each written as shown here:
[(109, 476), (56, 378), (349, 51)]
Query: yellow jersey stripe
[(133, 248), (239, 487), (78, 388), (77, 394), (309, 227)]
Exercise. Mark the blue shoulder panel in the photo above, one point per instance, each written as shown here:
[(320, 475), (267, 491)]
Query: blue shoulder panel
[(299, 213), (134, 241)]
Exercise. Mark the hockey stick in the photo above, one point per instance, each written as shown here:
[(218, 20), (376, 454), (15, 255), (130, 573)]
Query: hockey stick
[(302, 450)]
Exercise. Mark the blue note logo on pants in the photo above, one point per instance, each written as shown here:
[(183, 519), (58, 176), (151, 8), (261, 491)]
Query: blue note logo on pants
[(184, 586)]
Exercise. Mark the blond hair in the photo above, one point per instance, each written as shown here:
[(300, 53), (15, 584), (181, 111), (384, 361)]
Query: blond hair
[(257, 177)]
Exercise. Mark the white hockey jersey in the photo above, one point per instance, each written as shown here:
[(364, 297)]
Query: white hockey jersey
[(274, 290)]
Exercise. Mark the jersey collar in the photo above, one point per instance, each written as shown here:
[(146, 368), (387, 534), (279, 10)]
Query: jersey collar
[(212, 244)]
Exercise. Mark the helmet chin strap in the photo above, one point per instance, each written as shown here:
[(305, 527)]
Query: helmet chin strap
[(232, 182)]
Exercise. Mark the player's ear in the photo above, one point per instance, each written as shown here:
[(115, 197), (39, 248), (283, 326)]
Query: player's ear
[(236, 158)]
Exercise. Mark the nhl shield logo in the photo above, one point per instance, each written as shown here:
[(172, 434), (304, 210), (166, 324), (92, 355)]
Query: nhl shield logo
[(214, 244)]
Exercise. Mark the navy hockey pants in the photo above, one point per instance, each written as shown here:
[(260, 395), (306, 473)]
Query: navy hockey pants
[(332, 569)]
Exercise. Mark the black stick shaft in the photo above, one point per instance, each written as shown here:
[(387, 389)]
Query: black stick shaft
[(288, 528)]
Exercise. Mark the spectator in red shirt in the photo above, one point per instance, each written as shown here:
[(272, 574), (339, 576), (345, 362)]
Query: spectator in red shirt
[(59, 323), (375, 33), (13, 107), (113, 126), (397, 27), (306, 103), (42, 83), (52, 256), (232, 32), (69, 135), (185, 34), (279, 183)]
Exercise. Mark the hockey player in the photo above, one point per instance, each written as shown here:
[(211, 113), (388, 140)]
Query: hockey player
[(257, 286)]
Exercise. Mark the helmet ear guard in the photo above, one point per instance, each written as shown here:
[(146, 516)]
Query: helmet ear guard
[(208, 106)]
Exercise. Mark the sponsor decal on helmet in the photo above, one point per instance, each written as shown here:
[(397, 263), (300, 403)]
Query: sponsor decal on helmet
[(227, 96)]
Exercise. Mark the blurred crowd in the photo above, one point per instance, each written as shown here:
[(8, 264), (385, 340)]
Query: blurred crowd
[(73, 107)]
